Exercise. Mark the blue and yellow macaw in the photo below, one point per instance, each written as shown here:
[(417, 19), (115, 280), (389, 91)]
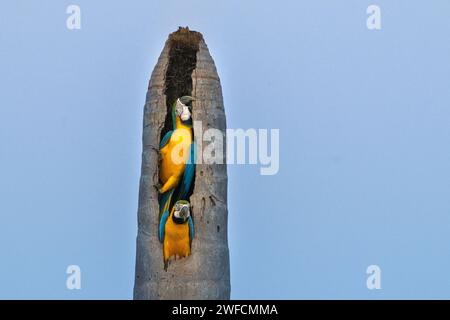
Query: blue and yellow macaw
[(177, 156), (176, 231)]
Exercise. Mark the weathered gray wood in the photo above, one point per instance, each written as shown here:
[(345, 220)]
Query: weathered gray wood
[(206, 273)]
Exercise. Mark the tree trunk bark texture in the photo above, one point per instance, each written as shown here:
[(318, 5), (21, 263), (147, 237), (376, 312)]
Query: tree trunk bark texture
[(185, 67)]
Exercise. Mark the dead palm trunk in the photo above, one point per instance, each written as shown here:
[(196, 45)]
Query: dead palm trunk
[(184, 67)]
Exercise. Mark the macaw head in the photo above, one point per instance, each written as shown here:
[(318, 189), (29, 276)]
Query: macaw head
[(181, 211), (183, 108)]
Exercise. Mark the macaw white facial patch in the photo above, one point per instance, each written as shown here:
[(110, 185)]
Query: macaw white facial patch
[(182, 111), (181, 211)]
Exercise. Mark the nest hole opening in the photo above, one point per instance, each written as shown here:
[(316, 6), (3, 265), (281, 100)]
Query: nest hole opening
[(183, 48)]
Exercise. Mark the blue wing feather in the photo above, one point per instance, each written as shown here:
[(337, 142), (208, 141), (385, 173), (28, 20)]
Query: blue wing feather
[(162, 224), (188, 174), (165, 139), (191, 228)]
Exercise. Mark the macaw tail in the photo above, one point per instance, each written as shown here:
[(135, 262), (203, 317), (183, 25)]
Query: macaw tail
[(164, 201)]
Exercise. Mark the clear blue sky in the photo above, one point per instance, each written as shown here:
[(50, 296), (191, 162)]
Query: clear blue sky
[(364, 119)]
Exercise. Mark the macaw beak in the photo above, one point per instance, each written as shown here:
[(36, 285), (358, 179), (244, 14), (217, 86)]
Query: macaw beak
[(186, 99), (184, 212)]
